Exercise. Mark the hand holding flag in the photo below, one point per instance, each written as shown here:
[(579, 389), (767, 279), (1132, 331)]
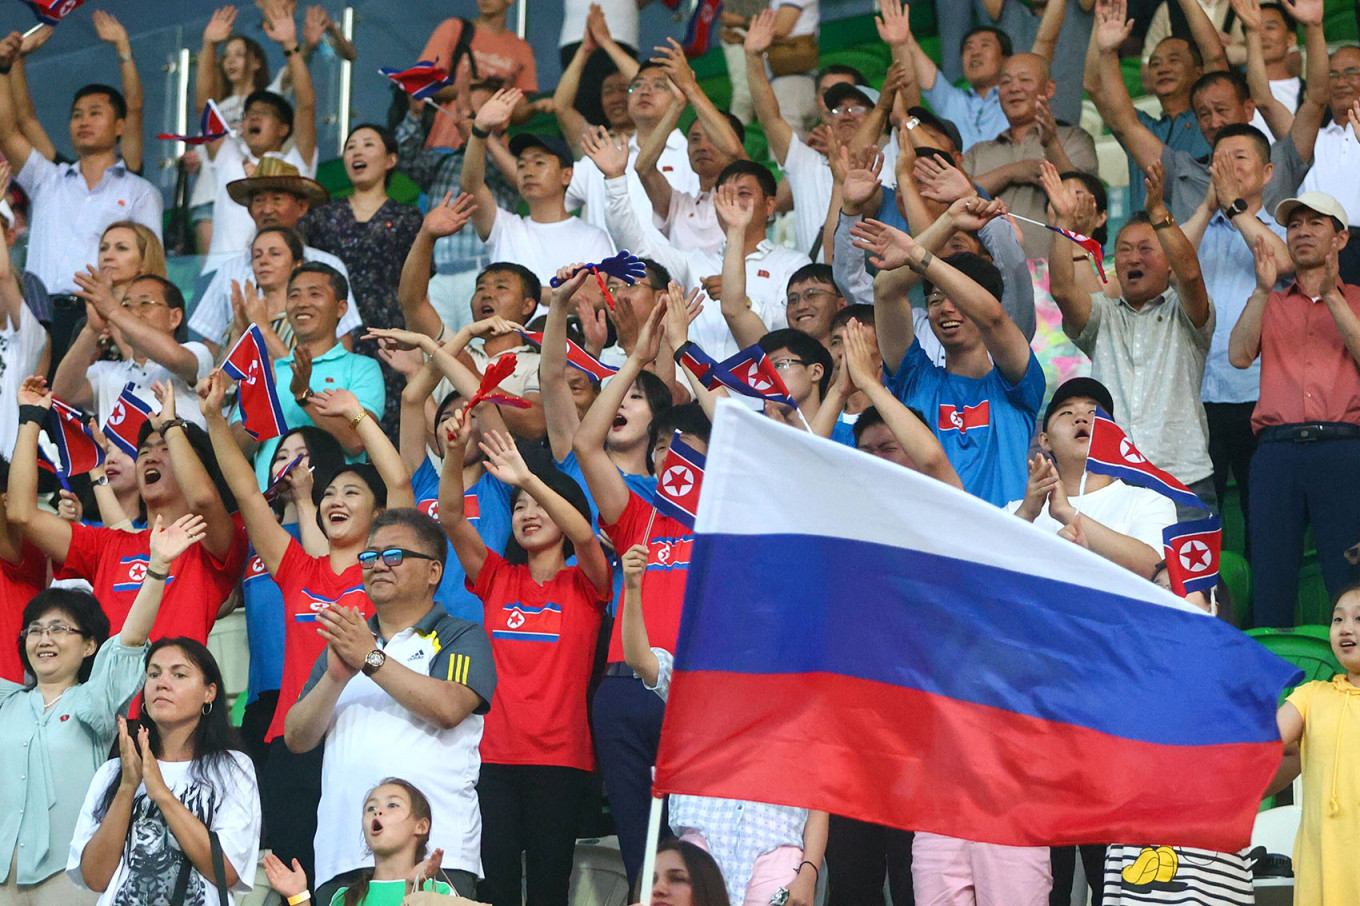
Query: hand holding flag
[(422, 82), (51, 12), (212, 127), (1192, 550), (576, 356), (124, 425), (258, 397), (276, 485), (76, 450), (1070, 207)]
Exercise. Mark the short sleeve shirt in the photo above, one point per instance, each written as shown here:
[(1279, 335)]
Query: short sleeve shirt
[(984, 424), (545, 247), (505, 56), (115, 562), (543, 638), (1137, 512), (486, 506), (663, 583), (108, 379)]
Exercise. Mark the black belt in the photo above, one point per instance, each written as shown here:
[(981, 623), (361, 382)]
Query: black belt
[(1307, 433), (619, 668)]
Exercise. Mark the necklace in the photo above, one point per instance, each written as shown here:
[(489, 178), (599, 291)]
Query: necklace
[(48, 705)]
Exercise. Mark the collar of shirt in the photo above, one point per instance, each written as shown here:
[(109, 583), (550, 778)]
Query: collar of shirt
[(118, 168), (425, 625), (1148, 306), (762, 250), (335, 352), (1293, 289)]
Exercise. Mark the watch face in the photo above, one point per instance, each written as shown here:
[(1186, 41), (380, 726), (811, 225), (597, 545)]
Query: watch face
[(373, 660)]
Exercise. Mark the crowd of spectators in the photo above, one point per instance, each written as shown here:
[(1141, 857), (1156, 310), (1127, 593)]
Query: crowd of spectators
[(462, 621)]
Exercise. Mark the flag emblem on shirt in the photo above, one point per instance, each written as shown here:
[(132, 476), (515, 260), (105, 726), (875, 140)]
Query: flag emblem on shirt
[(429, 507), (1192, 550), (966, 419), (523, 623), (1113, 453), (316, 603), (132, 573), (679, 483), (256, 568)]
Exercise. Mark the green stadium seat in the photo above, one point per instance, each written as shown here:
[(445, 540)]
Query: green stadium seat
[(1235, 573), (331, 174), (1314, 607), (1307, 647), (874, 66)]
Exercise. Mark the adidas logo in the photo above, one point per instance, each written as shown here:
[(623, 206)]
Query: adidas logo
[(419, 655)]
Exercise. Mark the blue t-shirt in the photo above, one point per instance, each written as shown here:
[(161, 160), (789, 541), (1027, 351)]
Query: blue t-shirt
[(984, 424), (263, 601), (843, 432), (487, 505)]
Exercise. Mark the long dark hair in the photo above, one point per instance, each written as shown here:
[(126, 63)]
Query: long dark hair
[(214, 738), (563, 486), (253, 52), (324, 454), (420, 808), (364, 471), (83, 610), (705, 878)]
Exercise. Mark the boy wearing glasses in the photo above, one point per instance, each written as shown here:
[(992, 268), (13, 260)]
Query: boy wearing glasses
[(399, 695), (145, 325)]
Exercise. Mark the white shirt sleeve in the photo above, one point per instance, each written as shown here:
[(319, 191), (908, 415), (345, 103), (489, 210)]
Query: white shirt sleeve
[(665, 662), (627, 233), (1149, 516), (204, 357)]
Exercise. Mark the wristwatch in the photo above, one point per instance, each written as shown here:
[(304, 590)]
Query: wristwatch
[(100, 481), (1237, 207), (373, 660), (1166, 221), (305, 398)]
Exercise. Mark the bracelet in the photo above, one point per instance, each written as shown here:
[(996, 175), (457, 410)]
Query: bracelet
[(815, 872), (680, 353), (305, 398), (31, 413), (354, 422), (299, 898), (480, 133), (1165, 222), (289, 53), (125, 57), (152, 574), (919, 267)]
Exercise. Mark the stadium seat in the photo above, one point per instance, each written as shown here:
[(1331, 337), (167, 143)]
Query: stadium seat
[(598, 877), (1306, 647), (1235, 573)]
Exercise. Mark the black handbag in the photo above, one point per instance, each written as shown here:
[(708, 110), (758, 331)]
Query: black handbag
[(178, 229)]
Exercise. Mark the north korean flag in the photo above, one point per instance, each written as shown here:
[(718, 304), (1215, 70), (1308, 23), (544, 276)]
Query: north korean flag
[(51, 12), (422, 81), (704, 367), (679, 482), (77, 452), (969, 418), (124, 424), (1192, 550), (1112, 453), (212, 127), (576, 357), (273, 490), (248, 363), (756, 376)]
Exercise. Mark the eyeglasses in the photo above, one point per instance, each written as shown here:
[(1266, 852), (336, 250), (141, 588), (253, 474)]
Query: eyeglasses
[(786, 364), (57, 631), (809, 295), (142, 304), (391, 557), (654, 85), (852, 110), (1350, 74)]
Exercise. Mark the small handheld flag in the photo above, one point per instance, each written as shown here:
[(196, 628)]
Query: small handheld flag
[(626, 266), (679, 482), (1113, 453), (496, 372), (756, 376), (704, 367), (1192, 550), (1092, 247), (51, 12), (124, 424), (421, 81), (248, 363), (700, 27), (212, 127), (76, 449), (273, 490), (576, 357)]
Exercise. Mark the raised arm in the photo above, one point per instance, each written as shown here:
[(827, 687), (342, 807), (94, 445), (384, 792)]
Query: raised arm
[(888, 247), (415, 397), (1244, 343), (602, 476), (132, 144), (468, 545), (1180, 253), (493, 116), (658, 188), (611, 156), (569, 119), (280, 25), (737, 213), (13, 142), (894, 29), (504, 462), (777, 130), (1106, 85), (199, 491), (559, 407), (381, 453), (1278, 117), (1050, 24), (1224, 185), (413, 292), (1317, 89), (49, 532), (206, 87), (1205, 35), (1073, 301), (719, 130), (622, 60), (96, 288)]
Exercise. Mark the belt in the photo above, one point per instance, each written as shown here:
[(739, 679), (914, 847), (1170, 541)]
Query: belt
[(1307, 433), (619, 668)]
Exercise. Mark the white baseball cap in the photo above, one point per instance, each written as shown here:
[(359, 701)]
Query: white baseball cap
[(1313, 201)]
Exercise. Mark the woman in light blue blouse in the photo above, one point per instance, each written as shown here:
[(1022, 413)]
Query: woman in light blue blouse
[(57, 730)]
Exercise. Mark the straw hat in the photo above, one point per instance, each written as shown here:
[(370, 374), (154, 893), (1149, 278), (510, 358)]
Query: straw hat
[(274, 174)]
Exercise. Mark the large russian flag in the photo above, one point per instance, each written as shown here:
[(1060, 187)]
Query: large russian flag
[(862, 639)]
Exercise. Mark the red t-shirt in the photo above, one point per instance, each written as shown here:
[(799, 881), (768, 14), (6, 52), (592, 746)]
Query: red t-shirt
[(115, 563), (663, 584), (543, 640), (18, 584), (309, 585)]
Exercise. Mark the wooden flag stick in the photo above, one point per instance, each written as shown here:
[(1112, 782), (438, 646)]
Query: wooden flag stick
[(653, 838)]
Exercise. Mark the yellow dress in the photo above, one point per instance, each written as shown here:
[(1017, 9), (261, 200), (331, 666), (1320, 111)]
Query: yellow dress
[(1325, 872)]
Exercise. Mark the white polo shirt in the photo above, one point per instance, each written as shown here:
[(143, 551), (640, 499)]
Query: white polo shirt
[(692, 222), (544, 247), (107, 380), (810, 181), (371, 736), (768, 270), (587, 189)]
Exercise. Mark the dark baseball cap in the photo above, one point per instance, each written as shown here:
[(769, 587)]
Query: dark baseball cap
[(553, 144), (841, 92), (1086, 387), (939, 125)]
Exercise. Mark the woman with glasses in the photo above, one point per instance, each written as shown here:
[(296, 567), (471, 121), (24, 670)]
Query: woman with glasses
[(347, 501), (56, 731)]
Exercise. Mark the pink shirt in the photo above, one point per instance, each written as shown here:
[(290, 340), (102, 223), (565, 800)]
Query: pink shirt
[(1307, 373)]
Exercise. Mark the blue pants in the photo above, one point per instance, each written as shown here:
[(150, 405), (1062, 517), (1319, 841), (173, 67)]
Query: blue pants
[(1294, 485), (627, 724)]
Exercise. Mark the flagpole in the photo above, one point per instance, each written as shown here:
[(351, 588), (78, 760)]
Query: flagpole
[(653, 838), (647, 532), (1081, 492)]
